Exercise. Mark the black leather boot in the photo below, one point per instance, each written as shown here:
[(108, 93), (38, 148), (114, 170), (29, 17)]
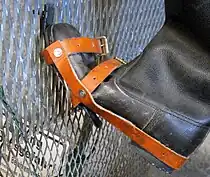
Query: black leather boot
[(165, 91)]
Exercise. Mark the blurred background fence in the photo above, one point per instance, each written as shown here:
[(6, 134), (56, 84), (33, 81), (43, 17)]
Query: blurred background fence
[(40, 133)]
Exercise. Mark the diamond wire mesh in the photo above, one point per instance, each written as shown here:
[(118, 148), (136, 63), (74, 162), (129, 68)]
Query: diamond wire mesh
[(40, 134)]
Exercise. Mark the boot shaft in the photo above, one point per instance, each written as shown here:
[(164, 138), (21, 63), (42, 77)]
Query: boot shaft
[(193, 14)]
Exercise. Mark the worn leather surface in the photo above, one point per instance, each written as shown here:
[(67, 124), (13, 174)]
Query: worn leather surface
[(163, 91), (194, 14), (166, 90), (169, 84)]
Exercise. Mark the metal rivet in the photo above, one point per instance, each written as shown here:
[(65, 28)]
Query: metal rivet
[(106, 66), (58, 52), (82, 93)]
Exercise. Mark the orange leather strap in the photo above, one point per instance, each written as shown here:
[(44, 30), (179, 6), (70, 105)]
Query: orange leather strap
[(160, 151), (98, 74), (84, 45), (80, 45)]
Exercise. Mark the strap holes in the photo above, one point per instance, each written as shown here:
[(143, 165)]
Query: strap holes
[(94, 78), (78, 45)]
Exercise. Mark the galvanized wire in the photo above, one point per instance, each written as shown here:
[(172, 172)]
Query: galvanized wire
[(41, 135)]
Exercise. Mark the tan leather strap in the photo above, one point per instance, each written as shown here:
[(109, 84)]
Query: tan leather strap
[(80, 45), (98, 74), (85, 45), (160, 151)]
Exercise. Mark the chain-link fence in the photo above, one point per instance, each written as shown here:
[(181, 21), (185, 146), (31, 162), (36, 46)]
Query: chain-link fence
[(40, 133)]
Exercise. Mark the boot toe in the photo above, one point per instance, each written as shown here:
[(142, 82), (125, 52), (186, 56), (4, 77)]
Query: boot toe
[(81, 62)]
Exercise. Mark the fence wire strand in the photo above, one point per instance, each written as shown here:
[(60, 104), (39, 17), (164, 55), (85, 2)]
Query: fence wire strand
[(40, 133)]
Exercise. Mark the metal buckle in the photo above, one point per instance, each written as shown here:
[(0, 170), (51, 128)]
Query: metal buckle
[(104, 45), (120, 60)]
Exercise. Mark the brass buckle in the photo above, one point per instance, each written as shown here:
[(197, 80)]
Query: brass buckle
[(120, 60), (104, 45)]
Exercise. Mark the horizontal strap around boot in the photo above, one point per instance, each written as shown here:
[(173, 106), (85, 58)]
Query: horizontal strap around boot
[(80, 45)]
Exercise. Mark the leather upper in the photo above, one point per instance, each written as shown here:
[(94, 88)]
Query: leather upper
[(194, 15), (165, 91), (173, 72)]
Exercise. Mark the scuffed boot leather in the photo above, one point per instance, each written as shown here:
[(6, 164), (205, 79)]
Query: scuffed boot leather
[(165, 91)]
